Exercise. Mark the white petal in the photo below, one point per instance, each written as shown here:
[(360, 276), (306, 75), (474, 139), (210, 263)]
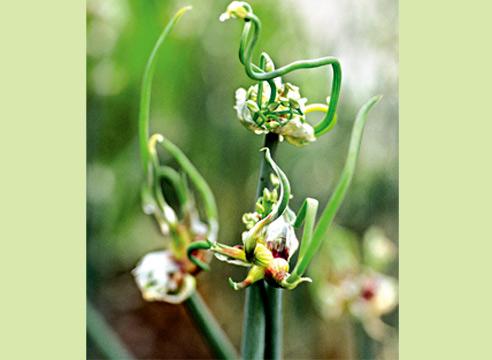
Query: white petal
[(241, 95), (280, 236), (386, 295)]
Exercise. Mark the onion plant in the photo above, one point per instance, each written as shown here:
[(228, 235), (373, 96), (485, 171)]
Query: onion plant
[(275, 109)]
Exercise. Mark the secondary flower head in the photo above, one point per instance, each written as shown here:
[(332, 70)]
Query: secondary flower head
[(366, 296), (281, 112), (349, 285), (169, 275)]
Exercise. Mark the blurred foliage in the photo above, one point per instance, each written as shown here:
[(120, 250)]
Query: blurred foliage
[(193, 94)]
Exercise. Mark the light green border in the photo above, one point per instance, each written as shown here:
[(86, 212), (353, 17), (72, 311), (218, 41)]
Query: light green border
[(445, 149), (445, 180), (42, 167)]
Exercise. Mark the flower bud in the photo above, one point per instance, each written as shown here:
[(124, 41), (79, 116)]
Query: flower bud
[(252, 106), (250, 219), (274, 180), (236, 9), (276, 271), (273, 106), (297, 132)]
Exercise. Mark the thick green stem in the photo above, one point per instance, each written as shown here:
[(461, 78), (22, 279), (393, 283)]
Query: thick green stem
[(104, 337), (253, 341), (274, 323), (258, 304), (211, 330)]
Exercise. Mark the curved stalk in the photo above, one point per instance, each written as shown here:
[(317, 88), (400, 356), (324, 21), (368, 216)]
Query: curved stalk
[(306, 215), (201, 186), (146, 90), (340, 190), (178, 182)]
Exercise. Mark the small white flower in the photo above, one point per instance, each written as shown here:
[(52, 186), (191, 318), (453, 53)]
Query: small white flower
[(156, 276), (378, 295)]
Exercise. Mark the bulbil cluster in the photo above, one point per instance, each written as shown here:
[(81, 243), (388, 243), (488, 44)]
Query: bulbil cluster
[(279, 109)]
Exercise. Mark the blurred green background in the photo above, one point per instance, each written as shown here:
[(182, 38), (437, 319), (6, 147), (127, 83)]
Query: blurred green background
[(193, 97)]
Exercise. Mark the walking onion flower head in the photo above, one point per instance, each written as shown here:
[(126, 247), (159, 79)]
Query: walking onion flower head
[(272, 106), (275, 107), (169, 275)]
